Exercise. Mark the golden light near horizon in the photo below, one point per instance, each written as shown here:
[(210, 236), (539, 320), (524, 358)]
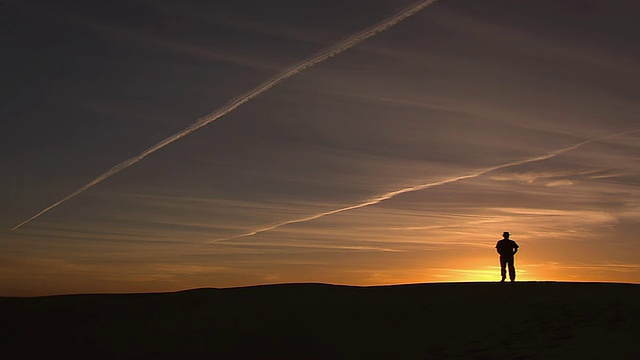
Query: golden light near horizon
[(486, 274)]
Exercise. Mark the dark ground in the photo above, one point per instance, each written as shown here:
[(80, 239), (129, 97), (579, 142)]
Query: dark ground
[(318, 321)]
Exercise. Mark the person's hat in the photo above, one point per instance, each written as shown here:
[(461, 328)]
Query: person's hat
[(506, 233)]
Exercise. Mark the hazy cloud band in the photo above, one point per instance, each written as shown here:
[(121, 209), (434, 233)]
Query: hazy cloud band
[(380, 198), (248, 96)]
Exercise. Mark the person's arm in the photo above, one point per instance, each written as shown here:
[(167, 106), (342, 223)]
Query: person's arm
[(515, 248)]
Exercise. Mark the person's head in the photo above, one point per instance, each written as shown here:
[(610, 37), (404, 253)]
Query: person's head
[(505, 234)]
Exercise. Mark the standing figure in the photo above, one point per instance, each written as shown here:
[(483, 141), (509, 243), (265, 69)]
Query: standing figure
[(507, 249)]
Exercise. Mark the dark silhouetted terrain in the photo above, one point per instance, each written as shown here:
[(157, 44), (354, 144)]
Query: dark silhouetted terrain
[(317, 321)]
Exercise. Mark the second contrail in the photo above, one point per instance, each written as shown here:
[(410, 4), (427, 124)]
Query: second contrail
[(389, 195), (251, 94)]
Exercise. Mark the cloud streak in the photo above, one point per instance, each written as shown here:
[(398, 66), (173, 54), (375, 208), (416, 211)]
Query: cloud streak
[(248, 96), (392, 194)]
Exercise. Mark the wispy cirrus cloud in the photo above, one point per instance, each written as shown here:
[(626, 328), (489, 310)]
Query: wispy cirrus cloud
[(392, 194)]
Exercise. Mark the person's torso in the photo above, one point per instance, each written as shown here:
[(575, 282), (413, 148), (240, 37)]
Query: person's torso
[(506, 247)]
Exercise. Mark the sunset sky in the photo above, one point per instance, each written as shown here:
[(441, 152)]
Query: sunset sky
[(399, 160)]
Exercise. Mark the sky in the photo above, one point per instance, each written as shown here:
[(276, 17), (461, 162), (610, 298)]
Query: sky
[(400, 158)]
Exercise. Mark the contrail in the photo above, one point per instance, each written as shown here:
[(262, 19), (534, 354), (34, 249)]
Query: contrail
[(380, 198), (251, 94)]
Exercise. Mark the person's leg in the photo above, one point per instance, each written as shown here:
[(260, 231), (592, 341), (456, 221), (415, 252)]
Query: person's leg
[(512, 270), (503, 265)]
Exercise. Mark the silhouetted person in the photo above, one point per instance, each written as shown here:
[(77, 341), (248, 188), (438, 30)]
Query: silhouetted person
[(507, 249)]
